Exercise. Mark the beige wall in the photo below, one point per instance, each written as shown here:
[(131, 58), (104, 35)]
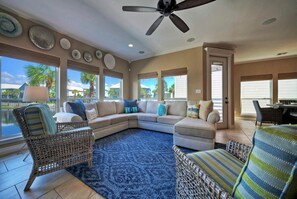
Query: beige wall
[(191, 58), (273, 67), (64, 55)]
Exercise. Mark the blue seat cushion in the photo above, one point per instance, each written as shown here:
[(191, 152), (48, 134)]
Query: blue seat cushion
[(223, 167), (78, 108)]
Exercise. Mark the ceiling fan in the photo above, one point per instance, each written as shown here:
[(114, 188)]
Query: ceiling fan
[(166, 8)]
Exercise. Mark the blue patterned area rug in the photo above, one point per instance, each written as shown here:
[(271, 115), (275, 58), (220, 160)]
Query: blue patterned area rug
[(134, 163)]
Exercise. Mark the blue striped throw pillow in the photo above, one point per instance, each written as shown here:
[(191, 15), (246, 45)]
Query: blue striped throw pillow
[(270, 170), (40, 120)]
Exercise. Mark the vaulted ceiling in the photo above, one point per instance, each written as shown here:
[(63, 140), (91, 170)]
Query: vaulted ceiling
[(236, 23)]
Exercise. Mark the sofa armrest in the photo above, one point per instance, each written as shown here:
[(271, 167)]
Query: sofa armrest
[(213, 117), (67, 117)]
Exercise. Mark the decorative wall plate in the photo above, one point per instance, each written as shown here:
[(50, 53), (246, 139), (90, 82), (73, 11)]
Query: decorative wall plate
[(10, 26), (88, 57), (109, 61), (42, 37), (65, 43), (76, 54), (98, 54)]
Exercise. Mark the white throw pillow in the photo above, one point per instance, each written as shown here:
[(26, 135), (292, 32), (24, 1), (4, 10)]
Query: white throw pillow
[(91, 114)]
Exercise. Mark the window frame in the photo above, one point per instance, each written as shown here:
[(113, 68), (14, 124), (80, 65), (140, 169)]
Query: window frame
[(143, 76)]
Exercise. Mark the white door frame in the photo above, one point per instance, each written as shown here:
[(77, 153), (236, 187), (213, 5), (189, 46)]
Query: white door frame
[(216, 52)]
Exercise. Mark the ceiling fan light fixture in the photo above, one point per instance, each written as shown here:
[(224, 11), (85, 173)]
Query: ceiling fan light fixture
[(269, 21), (130, 45)]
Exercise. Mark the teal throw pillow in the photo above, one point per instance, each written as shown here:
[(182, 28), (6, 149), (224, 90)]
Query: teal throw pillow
[(131, 109), (270, 170), (162, 110)]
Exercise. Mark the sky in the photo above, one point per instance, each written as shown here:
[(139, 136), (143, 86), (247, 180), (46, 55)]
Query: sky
[(13, 72)]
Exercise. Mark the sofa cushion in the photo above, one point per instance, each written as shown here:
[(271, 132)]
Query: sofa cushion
[(205, 108), (271, 166), (117, 118), (220, 165), (195, 127), (100, 122), (177, 108), (92, 105), (169, 119), (152, 106), (133, 116), (141, 106), (119, 107), (150, 117), (106, 108)]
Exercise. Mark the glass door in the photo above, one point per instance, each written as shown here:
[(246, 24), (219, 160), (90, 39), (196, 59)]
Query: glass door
[(219, 88)]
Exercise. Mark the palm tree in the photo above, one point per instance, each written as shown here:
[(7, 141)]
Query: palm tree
[(41, 74), (87, 78), (171, 90)]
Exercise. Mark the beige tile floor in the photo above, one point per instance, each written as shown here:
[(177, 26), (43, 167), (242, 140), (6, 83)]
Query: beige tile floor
[(14, 173)]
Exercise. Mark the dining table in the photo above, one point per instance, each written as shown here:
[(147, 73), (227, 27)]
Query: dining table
[(289, 112)]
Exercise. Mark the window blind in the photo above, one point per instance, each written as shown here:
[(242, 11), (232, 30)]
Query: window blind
[(82, 67), (24, 54), (148, 75), (256, 77), (174, 72), (113, 74)]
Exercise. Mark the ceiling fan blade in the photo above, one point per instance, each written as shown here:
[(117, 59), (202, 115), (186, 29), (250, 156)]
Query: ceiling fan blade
[(155, 25), (139, 9), (191, 4), (179, 23)]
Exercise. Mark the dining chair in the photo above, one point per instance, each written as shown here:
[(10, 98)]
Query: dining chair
[(267, 115)]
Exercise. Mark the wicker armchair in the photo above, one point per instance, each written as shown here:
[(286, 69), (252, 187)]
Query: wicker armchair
[(193, 182), (71, 145), (271, 115)]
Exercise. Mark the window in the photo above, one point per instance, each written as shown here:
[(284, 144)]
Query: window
[(175, 87), (113, 88), (148, 89), (287, 89), (255, 90), (16, 74), (82, 85)]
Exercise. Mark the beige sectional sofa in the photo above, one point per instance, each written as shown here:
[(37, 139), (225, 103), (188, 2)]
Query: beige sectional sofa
[(192, 133)]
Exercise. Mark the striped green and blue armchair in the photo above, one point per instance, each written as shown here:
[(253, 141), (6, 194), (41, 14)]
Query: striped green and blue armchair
[(268, 169), (53, 146)]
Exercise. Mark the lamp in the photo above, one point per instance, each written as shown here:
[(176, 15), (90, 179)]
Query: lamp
[(35, 94)]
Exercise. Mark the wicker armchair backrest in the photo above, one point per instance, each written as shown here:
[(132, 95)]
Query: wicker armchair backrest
[(19, 114)]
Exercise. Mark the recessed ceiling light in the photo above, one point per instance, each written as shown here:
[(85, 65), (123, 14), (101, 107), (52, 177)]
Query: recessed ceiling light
[(141, 52), (191, 39), (283, 53), (130, 45), (269, 21)]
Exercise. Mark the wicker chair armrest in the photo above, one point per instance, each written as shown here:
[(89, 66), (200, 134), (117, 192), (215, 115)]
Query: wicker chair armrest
[(194, 182), (54, 147), (64, 126), (238, 149)]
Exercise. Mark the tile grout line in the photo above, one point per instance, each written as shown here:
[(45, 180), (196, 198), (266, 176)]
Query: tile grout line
[(18, 191)]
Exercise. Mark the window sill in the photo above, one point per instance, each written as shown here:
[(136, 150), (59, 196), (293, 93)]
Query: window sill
[(13, 140)]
